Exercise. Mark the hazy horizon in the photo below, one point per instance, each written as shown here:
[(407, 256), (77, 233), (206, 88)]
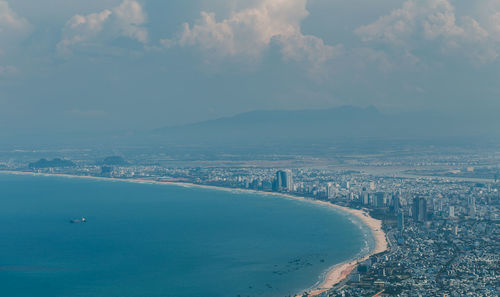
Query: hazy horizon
[(249, 148), (126, 65)]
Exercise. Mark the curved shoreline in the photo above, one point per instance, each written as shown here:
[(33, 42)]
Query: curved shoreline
[(335, 274), (340, 272)]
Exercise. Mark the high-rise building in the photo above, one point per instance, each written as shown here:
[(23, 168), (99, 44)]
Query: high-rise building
[(401, 221), (396, 203), (363, 197), (379, 200), (284, 180), (419, 209), (472, 207), (451, 211), (330, 190), (366, 198)]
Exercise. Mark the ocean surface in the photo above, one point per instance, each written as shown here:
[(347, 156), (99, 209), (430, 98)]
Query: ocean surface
[(163, 240)]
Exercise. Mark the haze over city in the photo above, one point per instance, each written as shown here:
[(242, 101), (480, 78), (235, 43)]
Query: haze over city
[(264, 148)]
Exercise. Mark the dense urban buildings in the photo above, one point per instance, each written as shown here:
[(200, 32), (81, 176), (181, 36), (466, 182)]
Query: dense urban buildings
[(443, 231)]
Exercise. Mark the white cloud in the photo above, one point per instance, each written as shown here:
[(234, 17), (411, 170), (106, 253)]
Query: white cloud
[(130, 17), (250, 31), (418, 23), (125, 20), (488, 12), (393, 28), (13, 28)]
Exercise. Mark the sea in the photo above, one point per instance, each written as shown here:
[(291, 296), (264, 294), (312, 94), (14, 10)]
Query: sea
[(153, 240)]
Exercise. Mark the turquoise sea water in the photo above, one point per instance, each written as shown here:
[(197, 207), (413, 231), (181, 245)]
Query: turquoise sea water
[(157, 240)]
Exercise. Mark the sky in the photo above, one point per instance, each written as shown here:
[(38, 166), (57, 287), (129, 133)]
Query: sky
[(106, 65)]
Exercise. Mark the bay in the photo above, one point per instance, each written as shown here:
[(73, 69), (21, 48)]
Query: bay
[(164, 240)]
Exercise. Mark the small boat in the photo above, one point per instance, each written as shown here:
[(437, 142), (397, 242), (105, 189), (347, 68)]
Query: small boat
[(82, 220)]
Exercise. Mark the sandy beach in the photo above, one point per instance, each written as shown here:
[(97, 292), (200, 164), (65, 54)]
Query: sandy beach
[(334, 276), (339, 272)]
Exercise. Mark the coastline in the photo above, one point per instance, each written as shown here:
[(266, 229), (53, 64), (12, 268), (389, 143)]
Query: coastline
[(334, 275), (340, 272)]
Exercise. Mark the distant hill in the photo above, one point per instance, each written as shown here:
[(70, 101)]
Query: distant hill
[(335, 124), (295, 131), (114, 161), (55, 163)]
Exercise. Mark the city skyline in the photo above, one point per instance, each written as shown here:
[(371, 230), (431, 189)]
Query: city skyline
[(224, 148), (434, 216)]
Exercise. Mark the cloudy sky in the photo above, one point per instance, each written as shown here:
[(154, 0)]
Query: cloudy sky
[(75, 65)]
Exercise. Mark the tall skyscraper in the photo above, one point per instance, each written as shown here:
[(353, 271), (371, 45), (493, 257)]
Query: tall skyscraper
[(289, 180), (401, 221), (366, 198), (396, 203), (284, 180), (419, 209), (379, 200), (472, 207), (330, 190)]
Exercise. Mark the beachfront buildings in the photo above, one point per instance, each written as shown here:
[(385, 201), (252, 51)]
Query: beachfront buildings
[(284, 181), (443, 229)]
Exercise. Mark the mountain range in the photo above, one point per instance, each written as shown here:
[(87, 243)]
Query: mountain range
[(299, 128), (329, 125)]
